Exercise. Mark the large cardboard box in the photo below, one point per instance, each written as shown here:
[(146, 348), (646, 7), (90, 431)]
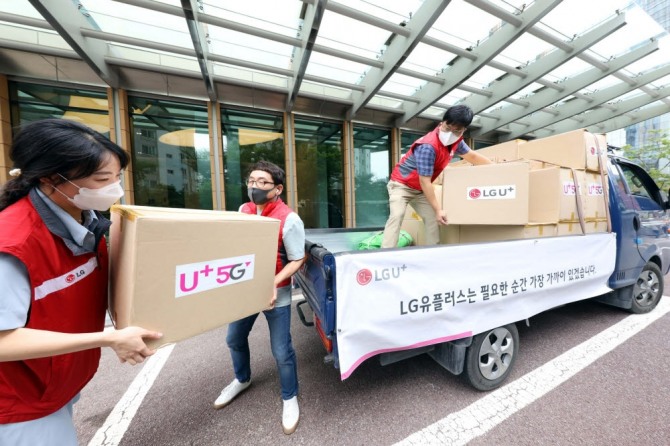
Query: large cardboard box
[(578, 149), (450, 234), (491, 194), (553, 194), (595, 200), (494, 233), (459, 163), (183, 272), (498, 153), (503, 152), (438, 192)]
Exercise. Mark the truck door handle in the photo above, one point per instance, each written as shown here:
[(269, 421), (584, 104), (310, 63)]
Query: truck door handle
[(636, 222)]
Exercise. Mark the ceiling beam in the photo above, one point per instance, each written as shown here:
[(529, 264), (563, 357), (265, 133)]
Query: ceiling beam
[(546, 96), (148, 44), (367, 18), (67, 20), (398, 49), (448, 47), (461, 69), (23, 20), (309, 30), (498, 12), (199, 39), (35, 49)]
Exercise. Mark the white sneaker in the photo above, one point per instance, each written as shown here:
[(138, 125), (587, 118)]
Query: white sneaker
[(291, 415), (230, 392)]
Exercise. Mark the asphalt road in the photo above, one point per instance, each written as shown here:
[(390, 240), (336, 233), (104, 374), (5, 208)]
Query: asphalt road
[(620, 398)]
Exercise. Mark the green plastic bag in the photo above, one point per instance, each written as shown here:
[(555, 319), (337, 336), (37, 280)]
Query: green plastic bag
[(375, 240)]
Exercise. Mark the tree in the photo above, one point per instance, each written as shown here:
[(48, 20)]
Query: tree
[(654, 156)]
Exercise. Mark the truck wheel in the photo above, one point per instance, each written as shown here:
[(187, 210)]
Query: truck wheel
[(490, 358), (648, 289)]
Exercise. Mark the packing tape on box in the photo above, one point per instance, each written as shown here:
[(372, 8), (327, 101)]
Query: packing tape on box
[(125, 213), (586, 220)]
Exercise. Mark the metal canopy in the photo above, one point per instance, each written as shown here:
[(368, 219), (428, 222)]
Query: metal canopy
[(68, 20), (526, 69), (547, 96)]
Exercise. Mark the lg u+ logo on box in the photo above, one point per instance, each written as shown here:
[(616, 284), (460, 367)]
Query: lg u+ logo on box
[(503, 192), (203, 276)]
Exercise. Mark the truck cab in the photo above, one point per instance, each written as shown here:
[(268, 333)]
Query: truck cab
[(640, 221)]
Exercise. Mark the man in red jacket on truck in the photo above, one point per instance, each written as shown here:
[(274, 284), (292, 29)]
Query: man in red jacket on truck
[(412, 178)]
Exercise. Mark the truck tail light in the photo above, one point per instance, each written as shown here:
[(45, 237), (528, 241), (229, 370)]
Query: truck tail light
[(324, 339)]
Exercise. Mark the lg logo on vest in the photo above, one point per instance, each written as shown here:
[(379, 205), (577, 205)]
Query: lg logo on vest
[(77, 275)]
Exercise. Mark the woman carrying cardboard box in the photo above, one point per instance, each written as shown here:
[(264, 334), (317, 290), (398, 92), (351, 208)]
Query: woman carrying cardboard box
[(265, 184), (53, 270)]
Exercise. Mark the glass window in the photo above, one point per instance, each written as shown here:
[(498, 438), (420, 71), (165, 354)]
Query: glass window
[(642, 188), (407, 139), (372, 167), (32, 102), (248, 137), (319, 162), (171, 154)]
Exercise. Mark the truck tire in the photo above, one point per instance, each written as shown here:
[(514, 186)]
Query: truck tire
[(489, 360), (648, 289)]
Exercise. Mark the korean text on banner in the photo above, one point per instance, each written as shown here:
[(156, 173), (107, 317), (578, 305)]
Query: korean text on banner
[(396, 300)]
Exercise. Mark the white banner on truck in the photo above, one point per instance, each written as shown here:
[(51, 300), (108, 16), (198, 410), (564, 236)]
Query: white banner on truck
[(402, 299)]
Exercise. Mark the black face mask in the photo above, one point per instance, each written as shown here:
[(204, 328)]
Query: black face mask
[(258, 196)]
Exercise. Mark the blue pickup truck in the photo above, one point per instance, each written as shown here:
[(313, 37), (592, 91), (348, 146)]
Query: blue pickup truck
[(634, 257)]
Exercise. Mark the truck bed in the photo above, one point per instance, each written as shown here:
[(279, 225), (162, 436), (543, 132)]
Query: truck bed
[(378, 301)]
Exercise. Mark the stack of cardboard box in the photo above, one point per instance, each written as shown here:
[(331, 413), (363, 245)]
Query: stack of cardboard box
[(546, 187)]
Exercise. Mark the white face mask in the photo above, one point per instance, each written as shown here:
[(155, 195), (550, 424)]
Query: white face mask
[(95, 199), (448, 138)]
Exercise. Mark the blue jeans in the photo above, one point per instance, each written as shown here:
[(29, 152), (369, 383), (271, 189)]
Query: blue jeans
[(279, 322)]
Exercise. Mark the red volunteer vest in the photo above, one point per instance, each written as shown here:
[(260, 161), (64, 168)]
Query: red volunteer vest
[(68, 294), (276, 209), (443, 155)]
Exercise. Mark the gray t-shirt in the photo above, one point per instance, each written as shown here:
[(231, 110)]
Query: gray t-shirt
[(293, 236), (16, 292)]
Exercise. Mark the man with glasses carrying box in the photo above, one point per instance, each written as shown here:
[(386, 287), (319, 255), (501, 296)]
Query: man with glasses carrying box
[(265, 184), (412, 178)]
